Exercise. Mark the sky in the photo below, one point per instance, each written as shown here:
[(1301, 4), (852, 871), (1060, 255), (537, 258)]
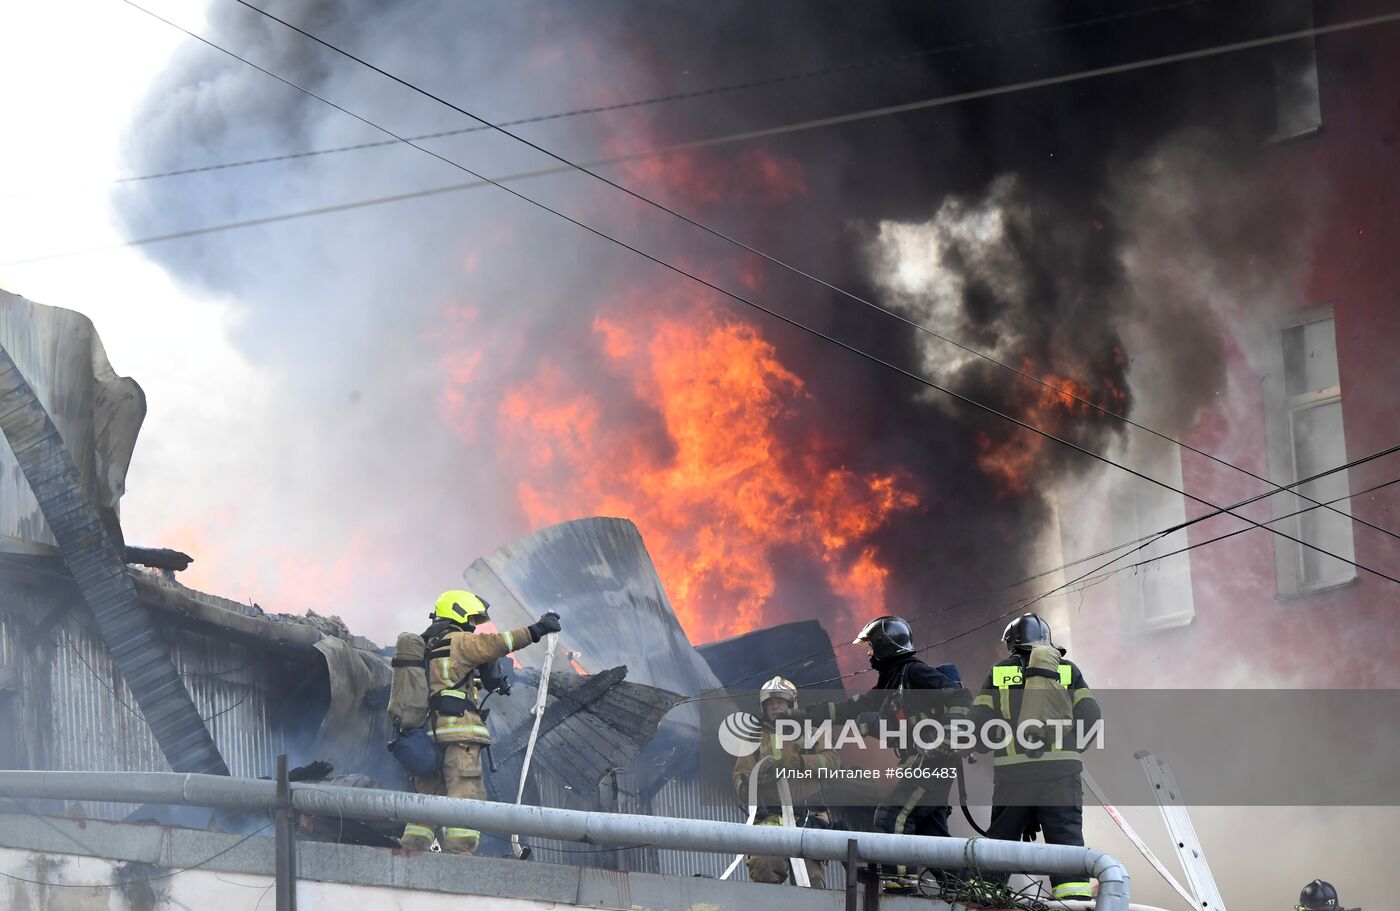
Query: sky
[(65, 137)]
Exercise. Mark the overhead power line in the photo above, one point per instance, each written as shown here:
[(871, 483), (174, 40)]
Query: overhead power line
[(500, 128), (712, 231), (727, 88), (1144, 541), (794, 323), (1085, 582), (728, 139), (1239, 531)]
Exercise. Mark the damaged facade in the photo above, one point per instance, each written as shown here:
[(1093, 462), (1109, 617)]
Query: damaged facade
[(616, 734)]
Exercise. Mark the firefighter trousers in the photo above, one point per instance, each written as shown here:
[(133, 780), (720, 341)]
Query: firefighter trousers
[(764, 868), (460, 777), (1055, 806), (916, 807)]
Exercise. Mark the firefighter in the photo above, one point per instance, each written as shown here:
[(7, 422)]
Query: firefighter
[(1319, 895), (455, 656), (1036, 783), (778, 697), (919, 802)]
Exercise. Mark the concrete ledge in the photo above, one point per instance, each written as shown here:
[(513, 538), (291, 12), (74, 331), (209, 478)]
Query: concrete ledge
[(180, 849)]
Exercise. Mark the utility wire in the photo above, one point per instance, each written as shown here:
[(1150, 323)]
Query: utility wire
[(1239, 531), (748, 248), (1142, 542), (1096, 577), (796, 324), (139, 879), (851, 66), (728, 139)]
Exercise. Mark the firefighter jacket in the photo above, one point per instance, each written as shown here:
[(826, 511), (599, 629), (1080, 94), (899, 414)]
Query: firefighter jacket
[(802, 769), (452, 658), (1001, 697), (940, 698)]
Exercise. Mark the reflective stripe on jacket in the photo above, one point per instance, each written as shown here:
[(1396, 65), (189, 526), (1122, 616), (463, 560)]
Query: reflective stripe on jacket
[(450, 674), (1001, 696)]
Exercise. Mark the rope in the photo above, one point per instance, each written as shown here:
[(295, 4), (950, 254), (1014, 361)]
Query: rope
[(540, 696)]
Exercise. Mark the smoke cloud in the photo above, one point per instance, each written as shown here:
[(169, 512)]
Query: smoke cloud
[(457, 369)]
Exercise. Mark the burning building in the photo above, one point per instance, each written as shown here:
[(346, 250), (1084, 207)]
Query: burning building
[(85, 639), (261, 684), (1063, 251), (1299, 394)]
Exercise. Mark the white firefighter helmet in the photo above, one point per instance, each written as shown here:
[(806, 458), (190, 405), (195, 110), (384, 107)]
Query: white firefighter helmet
[(778, 688)]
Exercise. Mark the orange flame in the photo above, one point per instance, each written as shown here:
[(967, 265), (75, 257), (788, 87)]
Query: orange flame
[(1012, 460), (708, 471)]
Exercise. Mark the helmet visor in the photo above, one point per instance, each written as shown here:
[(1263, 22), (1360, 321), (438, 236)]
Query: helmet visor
[(867, 630)]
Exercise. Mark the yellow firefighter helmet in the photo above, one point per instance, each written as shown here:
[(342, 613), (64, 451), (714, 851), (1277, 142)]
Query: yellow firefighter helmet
[(461, 607)]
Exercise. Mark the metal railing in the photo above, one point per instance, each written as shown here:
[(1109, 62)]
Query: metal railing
[(605, 829)]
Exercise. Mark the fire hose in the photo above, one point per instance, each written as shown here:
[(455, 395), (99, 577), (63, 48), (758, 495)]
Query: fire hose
[(799, 867), (538, 711)]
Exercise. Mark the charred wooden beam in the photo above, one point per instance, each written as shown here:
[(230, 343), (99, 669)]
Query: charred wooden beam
[(565, 704), (159, 558)]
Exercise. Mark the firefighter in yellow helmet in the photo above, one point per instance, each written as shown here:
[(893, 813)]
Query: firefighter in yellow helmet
[(778, 696), (456, 655)]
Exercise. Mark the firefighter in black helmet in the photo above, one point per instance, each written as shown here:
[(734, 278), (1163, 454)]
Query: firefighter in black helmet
[(1319, 895), (919, 803), (1036, 782)]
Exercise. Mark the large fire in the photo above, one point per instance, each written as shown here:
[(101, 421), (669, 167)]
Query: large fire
[(1013, 458), (707, 462)]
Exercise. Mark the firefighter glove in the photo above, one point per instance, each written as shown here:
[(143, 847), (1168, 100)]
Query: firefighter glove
[(547, 624)]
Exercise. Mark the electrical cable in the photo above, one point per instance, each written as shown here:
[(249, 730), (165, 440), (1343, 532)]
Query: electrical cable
[(1239, 531), (140, 879), (797, 324), (714, 232), (1144, 541), (728, 88), (1088, 580), (136, 712), (795, 127)]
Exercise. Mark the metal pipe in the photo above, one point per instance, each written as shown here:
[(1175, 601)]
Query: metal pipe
[(870, 876), (579, 826), (285, 850), (852, 874)]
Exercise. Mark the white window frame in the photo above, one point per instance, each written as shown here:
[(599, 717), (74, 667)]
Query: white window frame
[(1133, 591), (1281, 411)]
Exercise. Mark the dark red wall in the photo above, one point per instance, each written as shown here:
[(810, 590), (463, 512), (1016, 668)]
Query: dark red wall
[(1346, 179)]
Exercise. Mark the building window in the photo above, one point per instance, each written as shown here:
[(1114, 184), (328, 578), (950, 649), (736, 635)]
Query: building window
[(1309, 439), (1157, 594), (1297, 107)]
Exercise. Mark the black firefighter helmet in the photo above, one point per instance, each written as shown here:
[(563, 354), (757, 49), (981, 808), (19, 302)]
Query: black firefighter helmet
[(888, 637), (1026, 632), (1318, 895)]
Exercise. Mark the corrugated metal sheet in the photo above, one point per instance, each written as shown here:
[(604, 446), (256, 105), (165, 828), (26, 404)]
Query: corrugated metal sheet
[(93, 552), (79, 714), (596, 573), (693, 799), (97, 725), (98, 412)]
